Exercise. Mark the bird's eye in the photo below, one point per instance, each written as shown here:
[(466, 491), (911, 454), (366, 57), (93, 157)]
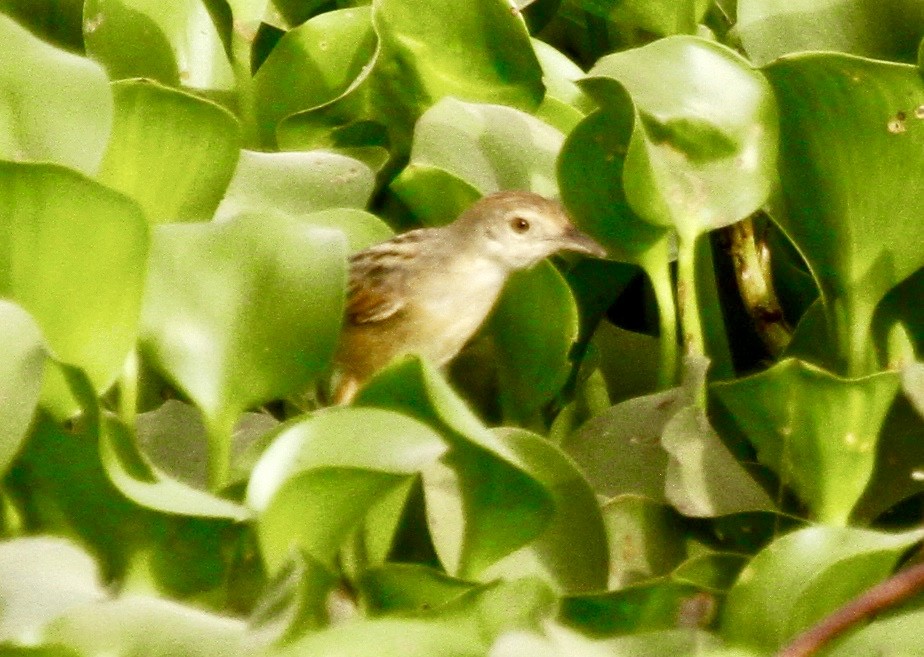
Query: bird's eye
[(519, 224)]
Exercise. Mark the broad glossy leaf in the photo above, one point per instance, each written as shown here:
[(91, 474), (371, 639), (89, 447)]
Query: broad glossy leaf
[(171, 151), (407, 587), (73, 254), (817, 431), (40, 579), (141, 482), (645, 539), (392, 637), (59, 22), (477, 52), (173, 437), (899, 470), (655, 605), (896, 635), (482, 500), (71, 495), (295, 601), (590, 171), (319, 478), (713, 571), (703, 477), (361, 229), (660, 17), (175, 43), (703, 150), (241, 312), (21, 365), (140, 625), (850, 171), (490, 147), (535, 326), (426, 51), (312, 65), (296, 183), (803, 576), (620, 450), (434, 195), (881, 29), (555, 556), (56, 106)]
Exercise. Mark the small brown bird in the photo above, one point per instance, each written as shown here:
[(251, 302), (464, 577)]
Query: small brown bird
[(429, 290)]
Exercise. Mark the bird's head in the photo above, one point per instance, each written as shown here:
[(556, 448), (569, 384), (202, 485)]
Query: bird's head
[(521, 228)]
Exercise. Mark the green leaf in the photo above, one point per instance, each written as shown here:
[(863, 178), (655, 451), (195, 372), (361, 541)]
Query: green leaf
[(490, 147), (56, 106), (73, 254), (40, 579), (849, 162), (534, 325), (482, 500), (703, 150), (216, 283), (21, 365), (659, 17), (263, 293), (392, 637), (172, 42), (817, 431), (477, 52), (591, 170), (171, 151), (312, 65), (296, 183), (878, 29), (555, 556), (145, 485), (703, 478), (899, 469), (318, 479), (620, 449), (58, 22), (426, 51), (140, 625), (896, 635), (294, 601), (645, 539), (801, 577), (435, 196), (713, 571), (59, 471), (402, 587), (173, 438), (361, 229), (656, 605)]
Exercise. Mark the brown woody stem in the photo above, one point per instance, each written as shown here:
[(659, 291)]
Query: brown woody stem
[(755, 285)]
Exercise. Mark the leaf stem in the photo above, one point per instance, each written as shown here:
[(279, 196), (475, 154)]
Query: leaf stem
[(687, 296), (852, 324), (218, 431), (657, 267), (128, 389)]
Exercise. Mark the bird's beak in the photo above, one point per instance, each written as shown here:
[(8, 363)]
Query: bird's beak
[(575, 240)]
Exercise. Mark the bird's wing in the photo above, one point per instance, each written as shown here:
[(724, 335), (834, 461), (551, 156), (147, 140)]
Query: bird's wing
[(378, 276)]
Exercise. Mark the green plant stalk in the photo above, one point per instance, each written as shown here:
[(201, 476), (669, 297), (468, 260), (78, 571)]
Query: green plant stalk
[(657, 267), (852, 326), (691, 323), (218, 432), (246, 100), (128, 389)]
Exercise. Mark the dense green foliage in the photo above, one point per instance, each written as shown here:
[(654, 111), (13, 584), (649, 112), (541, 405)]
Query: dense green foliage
[(701, 446)]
